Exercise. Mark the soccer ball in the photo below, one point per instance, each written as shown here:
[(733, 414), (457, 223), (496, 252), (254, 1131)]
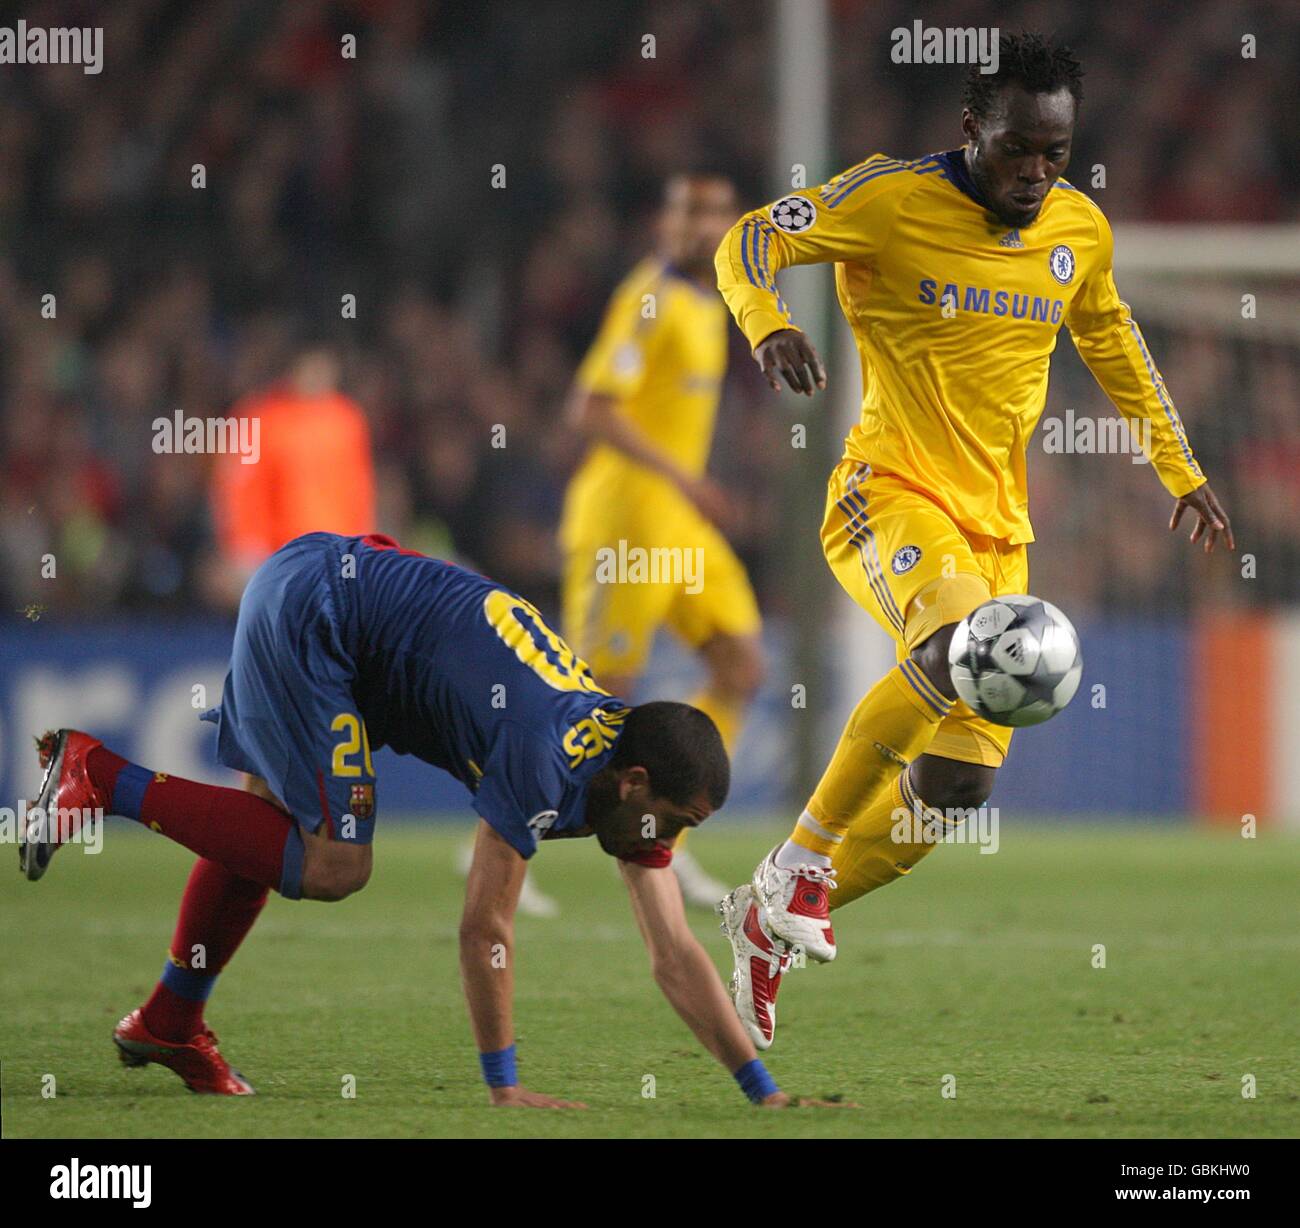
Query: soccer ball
[(1015, 660)]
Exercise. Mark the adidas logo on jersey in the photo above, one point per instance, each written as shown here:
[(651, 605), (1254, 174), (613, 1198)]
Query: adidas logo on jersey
[(1010, 239)]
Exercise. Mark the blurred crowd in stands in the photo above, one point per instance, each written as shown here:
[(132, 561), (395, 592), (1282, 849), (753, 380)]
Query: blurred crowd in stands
[(323, 176)]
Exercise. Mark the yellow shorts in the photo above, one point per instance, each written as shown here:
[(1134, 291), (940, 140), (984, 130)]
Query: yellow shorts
[(890, 547), (661, 564)]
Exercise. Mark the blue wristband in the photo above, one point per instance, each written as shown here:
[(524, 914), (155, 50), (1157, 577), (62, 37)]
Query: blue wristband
[(755, 1082), (499, 1067)]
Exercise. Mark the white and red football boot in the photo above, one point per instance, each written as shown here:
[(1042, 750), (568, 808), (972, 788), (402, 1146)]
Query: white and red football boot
[(66, 799), (761, 959), (796, 904), (198, 1061)]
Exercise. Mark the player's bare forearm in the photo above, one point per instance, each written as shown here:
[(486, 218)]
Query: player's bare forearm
[(487, 939), (682, 968), (487, 974), (487, 959), (690, 982)]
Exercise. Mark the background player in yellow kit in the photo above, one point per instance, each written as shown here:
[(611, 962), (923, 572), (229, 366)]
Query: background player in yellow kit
[(642, 523), (955, 272)]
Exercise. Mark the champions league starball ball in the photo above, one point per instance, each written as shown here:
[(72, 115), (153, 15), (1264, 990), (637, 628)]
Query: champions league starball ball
[(1015, 660)]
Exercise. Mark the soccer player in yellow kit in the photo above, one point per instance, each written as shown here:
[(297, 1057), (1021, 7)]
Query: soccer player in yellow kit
[(955, 272), (640, 532)]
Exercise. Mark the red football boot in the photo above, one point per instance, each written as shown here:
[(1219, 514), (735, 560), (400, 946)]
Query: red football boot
[(67, 798), (761, 959), (796, 905), (198, 1061)]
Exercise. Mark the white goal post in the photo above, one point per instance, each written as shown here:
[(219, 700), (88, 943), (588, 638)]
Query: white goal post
[(1239, 280)]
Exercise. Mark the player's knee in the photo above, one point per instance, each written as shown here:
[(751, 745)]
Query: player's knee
[(339, 883), (334, 871), (950, 784), (932, 657), (946, 601)]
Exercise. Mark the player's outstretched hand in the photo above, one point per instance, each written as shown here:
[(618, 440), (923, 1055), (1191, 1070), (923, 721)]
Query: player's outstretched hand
[(788, 353), (522, 1098), (1211, 520), (779, 1100)]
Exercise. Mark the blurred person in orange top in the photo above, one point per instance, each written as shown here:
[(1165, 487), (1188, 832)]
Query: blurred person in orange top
[(314, 471)]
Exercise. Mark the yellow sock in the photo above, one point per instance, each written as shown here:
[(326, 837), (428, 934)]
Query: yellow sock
[(895, 721), (727, 715), (886, 841)]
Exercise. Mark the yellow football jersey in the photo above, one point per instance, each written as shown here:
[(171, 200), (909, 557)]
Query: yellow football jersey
[(956, 317), (661, 353)]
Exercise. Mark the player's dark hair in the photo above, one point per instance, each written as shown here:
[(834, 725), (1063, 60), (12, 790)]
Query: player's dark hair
[(1036, 64), (679, 747)]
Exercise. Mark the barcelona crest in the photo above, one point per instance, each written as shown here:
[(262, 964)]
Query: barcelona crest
[(362, 803)]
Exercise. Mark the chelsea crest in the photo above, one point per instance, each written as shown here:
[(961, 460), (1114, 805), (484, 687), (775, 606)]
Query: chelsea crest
[(1061, 262)]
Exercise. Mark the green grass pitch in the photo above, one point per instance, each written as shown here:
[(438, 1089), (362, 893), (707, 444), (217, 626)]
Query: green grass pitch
[(979, 967)]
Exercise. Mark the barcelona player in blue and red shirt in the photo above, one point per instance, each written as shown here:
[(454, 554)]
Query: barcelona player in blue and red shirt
[(347, 644)]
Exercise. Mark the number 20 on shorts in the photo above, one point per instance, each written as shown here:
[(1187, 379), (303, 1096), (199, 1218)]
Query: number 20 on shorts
[(355, 739)]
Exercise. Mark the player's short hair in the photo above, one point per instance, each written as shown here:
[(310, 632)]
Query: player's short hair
[(680, 748), (1036, 64)]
